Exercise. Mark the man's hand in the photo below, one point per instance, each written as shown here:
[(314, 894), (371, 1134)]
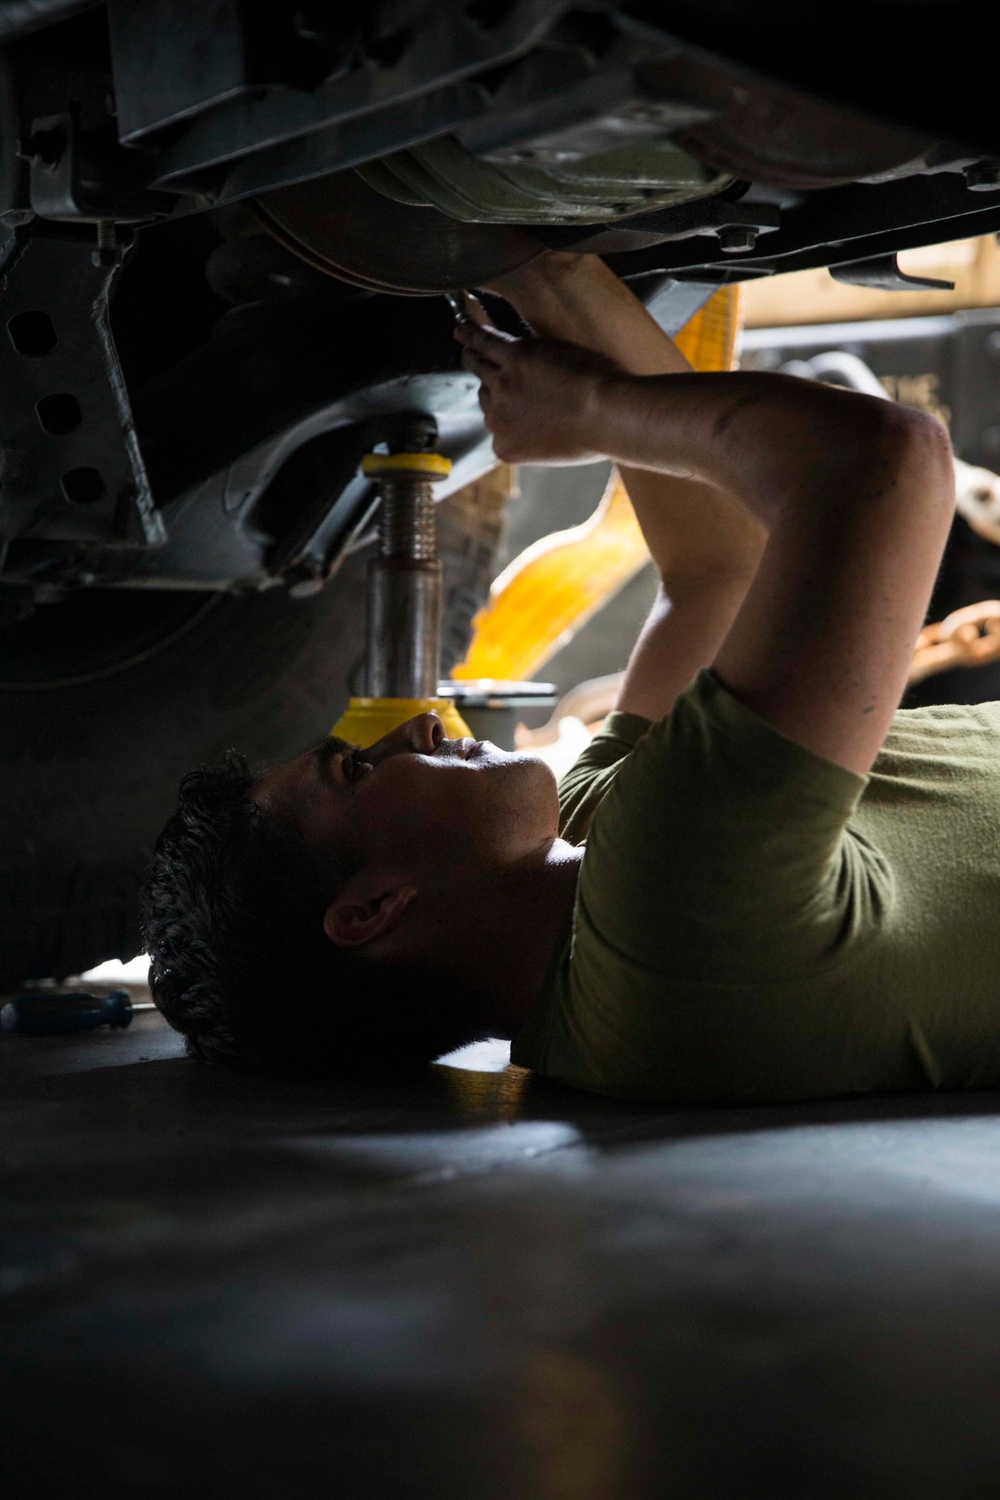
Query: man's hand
[(539, 399), (705, 545)]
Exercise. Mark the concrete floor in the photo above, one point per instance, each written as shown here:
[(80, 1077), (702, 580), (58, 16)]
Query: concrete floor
[(484, 1287)]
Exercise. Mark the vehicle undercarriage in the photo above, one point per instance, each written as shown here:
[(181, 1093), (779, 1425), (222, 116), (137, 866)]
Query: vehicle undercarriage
[(223, 229)]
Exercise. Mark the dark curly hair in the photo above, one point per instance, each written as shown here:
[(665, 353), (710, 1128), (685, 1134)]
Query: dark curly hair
[(232, 918)]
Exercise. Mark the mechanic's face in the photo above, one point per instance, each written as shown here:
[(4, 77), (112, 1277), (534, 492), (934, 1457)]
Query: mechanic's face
[(417, 802)]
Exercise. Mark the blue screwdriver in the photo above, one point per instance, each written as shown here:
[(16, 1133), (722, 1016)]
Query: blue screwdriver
[(46, 1014)]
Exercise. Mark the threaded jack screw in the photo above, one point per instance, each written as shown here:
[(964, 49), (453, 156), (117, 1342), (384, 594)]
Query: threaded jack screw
[(403, 616)]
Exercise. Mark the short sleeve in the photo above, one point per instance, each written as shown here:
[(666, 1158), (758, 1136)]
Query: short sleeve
[(721, 852), (585, 784)]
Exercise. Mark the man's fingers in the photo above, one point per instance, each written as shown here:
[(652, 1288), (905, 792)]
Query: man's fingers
[(478, 364), (475, 310), (488, 342)]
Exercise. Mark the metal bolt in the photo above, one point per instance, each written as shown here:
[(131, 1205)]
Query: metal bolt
[(737, 240), (983, 176), (403, 650), (108, 252), (406, 527)]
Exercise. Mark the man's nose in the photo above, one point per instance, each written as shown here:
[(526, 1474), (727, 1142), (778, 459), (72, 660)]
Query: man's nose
[(420, 735)]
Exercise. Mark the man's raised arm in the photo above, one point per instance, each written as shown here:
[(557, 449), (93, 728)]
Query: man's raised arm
[(857, 495), (705, 545)]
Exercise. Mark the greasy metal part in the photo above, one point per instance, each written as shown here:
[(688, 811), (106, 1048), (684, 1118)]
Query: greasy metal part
[(305, 547), (731, 222), (343, 226), (629, 123), (774, 134), (559, 101), (283, 510), (242, 117), (549, 101), (983, 176), (857, 222), (883, 273), (737, 241), (607, 185), (283, 513), (403, 617), (263, 100), (72, 470)]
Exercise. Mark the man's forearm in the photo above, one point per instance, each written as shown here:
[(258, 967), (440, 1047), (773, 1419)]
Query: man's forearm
[(705, 545), (691, 530), (768, 440), (857, 493)]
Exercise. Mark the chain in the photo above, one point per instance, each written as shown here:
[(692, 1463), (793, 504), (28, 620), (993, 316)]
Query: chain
[(969, 637)]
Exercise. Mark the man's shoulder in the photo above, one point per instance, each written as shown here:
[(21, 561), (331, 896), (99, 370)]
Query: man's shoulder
[(950, 737)]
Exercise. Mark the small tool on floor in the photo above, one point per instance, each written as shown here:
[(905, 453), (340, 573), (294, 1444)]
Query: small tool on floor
[(403, 614), (47, 1014)]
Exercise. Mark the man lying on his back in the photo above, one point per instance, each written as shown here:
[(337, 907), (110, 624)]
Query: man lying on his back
[(759, 882)]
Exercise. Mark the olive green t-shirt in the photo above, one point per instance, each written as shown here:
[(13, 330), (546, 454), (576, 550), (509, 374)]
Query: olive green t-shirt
[(754, 923)]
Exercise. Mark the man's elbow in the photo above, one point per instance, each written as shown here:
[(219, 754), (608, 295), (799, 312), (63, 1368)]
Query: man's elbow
[(917, 446)]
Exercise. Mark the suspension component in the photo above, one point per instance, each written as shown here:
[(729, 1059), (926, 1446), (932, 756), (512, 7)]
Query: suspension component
[(403, 652), (403, 612)]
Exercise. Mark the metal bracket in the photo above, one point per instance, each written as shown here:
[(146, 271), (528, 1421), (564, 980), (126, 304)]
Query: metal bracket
[(882, 273), (86, 175), (70, 467), (325, 468), (737, 226)]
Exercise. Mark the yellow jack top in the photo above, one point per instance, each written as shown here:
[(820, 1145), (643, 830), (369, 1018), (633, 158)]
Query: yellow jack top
[(431, 465)]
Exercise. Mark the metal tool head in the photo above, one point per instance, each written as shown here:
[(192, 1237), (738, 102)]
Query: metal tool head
[(456, 301)]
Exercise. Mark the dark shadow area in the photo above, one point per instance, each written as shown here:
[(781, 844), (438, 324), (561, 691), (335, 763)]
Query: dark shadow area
[(478, 1284)]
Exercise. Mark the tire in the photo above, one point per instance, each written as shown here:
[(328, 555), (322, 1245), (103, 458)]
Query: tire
[(109, 696)]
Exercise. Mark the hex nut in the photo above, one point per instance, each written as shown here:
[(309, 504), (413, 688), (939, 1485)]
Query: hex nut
[(983, 176), (737, 240)]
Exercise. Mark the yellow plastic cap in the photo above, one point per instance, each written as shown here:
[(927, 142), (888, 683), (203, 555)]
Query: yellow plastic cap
[(431, 465), (366, 720)]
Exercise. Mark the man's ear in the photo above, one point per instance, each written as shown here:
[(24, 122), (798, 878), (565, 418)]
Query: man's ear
[(357, 915)]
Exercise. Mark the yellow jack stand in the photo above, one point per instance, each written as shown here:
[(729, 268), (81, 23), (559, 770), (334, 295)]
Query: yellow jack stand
[(366, 720), (403, 616)]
